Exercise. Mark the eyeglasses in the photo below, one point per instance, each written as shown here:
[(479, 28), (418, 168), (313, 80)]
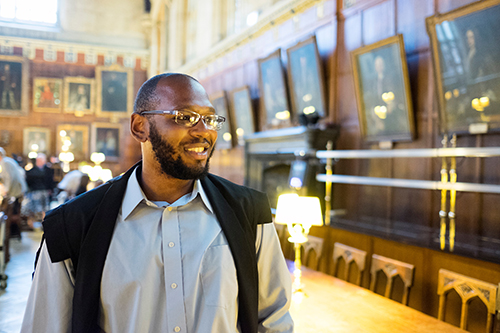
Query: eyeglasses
[(188, 118)]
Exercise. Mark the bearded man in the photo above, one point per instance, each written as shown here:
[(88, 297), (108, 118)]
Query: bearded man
[(166, 247)]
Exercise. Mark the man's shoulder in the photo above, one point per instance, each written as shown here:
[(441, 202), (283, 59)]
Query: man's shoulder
[(233, 187)]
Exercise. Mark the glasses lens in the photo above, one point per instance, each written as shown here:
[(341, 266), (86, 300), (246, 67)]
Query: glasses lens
[(214, 122), (187, 118)]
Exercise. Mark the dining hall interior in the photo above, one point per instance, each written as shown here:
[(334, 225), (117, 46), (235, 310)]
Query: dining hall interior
[(386, 111)]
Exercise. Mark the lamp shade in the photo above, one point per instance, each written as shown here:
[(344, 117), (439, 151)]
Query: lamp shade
[(295, 209)]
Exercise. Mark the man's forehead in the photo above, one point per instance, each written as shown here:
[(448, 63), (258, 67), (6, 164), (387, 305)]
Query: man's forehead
[(182, 91)]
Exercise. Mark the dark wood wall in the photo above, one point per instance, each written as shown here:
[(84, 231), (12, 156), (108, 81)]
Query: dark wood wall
[(399, 223), (129, 149)]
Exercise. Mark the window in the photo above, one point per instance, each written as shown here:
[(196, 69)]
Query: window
[(29, 11)]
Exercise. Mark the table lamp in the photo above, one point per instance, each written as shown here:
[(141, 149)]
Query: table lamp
[(299, 213)]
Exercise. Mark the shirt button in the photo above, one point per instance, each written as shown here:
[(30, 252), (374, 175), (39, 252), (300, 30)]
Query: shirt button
[(170, 209), (177, 329), (171, 244), (173, 285)]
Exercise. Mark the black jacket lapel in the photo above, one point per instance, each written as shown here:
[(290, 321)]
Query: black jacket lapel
[(238, 235)]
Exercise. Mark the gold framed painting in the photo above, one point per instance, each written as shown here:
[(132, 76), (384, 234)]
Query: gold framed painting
[(36, 139), (105, 138), (47, 94), (79, 95), (14, 86), (242, 113), (226, 137), (466, 59), (383, 91), (307, 83), (274, 107), (73, 138), (115, 88)]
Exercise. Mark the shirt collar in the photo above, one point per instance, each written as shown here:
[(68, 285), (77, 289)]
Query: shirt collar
[(134, 195)]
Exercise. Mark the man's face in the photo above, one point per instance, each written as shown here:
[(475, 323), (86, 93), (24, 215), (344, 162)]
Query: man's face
[(182, 152)]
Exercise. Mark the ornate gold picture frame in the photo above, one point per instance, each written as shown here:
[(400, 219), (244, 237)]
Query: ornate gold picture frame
[(79, 95), (14, 86), (36, 139), (73, 138), (383, 91), (226, 136), (466, 59), (105, 138), (242, 112), (115, 88), (47, 94)]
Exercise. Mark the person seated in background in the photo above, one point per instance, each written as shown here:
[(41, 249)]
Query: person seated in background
[(69, 186)]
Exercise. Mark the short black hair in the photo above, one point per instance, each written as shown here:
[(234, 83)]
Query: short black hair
[(147, 99)]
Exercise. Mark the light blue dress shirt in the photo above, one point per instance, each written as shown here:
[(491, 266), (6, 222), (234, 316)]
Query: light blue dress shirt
[(168, 269)]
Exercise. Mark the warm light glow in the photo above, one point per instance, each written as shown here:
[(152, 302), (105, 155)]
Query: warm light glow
[(447, 95), (67, 142), (34, 147), (227, 137), (62, 133), (456, 93), (283, 115), (32, 154), (479, 104), (240, 131), (381, 111), (252, 18), (296, 182), (307, 98), (309, 110), (97, 158), (388, 96)]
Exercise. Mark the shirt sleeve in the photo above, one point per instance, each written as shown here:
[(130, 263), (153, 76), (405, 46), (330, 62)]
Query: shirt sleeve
[(275, 283), (49, 305)]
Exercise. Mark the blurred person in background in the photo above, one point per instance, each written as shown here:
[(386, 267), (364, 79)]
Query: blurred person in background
[(14, 187), (40, 185)]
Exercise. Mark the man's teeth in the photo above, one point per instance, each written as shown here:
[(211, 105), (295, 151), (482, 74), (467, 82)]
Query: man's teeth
[(196, 150)]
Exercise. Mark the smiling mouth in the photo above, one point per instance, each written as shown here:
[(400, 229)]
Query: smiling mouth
[(197, 150)]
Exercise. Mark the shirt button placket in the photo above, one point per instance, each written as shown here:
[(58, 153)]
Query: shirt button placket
[(177, 329)]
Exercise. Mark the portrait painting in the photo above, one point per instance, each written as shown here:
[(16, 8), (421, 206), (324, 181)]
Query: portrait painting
[(275, 110), (14, 87), (466, 58), (114, 91), (74, 139), (105, 138), (226, 138), (242, 113), (79, 95), (383, 91), (36, 139), (47, 94), (305, 73)]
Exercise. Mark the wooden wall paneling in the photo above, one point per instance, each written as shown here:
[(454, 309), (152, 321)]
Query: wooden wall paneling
[(410, 18), (326, 38), (444, 6), (378, 22)]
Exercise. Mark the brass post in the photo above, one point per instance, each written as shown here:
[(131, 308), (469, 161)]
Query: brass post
[(328, 186), (453, 194), (442, 212)]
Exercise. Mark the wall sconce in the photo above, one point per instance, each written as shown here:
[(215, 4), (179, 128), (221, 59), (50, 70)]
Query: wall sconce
[(299, 213), (66, 158)]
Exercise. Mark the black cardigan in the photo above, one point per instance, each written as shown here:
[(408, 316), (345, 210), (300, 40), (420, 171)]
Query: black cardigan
[(82, 228)]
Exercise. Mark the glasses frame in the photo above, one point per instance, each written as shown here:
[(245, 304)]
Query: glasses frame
[(175, 113)]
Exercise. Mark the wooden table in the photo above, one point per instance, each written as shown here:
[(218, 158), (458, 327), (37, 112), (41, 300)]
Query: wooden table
[(333, 305)]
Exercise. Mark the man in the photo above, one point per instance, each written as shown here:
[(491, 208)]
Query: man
[(40, 179), (14, 187), (166, 247)]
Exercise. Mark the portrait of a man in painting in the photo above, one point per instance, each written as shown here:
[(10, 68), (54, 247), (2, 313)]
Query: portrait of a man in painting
[(114, 91), (10, 85)]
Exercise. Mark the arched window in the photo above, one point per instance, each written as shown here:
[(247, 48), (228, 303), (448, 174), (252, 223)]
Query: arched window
[(38, 12)]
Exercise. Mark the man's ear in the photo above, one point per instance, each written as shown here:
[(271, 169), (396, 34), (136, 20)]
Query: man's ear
[(139, 127)]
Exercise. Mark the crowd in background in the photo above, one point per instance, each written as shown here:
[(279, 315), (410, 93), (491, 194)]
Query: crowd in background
[(27, 193)]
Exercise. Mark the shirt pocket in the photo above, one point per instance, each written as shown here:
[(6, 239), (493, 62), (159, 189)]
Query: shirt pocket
[(218, 277)]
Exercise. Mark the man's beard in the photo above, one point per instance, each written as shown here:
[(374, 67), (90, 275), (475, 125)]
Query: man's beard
[(175, 167)]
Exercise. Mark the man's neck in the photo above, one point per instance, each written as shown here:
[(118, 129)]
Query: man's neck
[(157, 186)]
